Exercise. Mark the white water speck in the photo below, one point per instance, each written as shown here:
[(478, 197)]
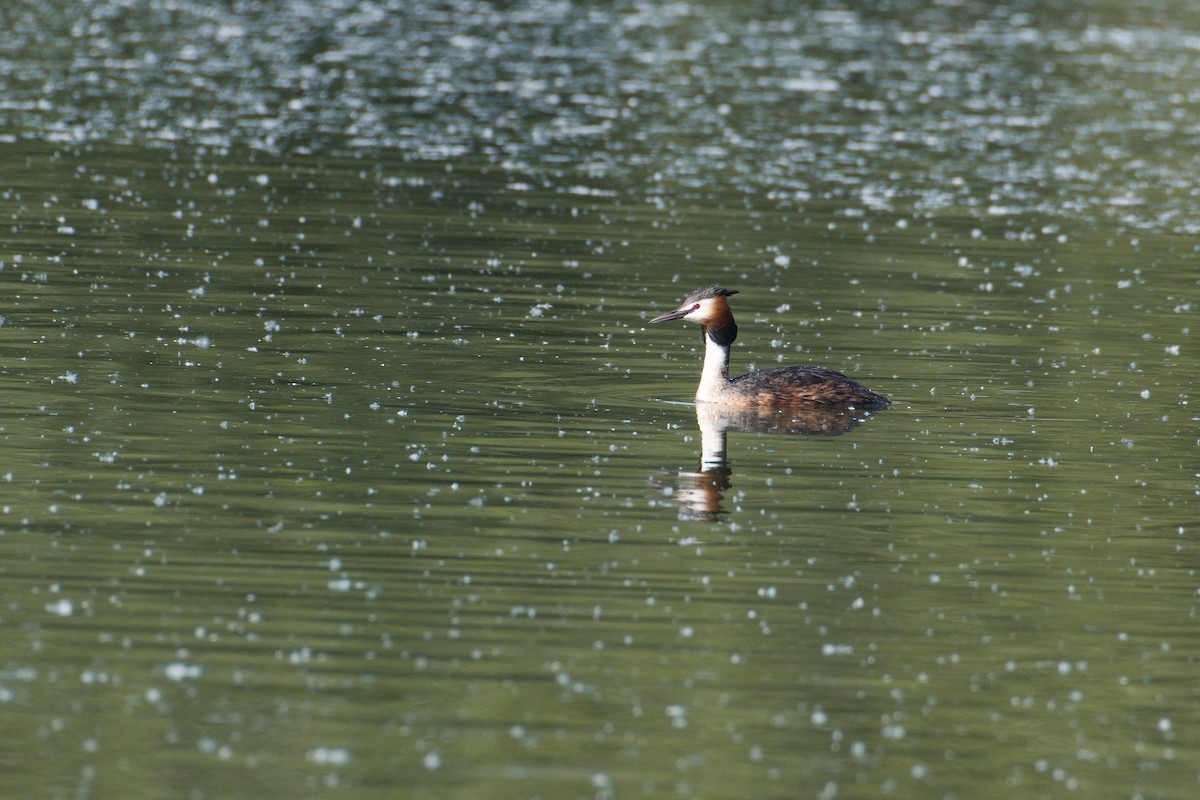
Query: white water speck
[(61, 607), (811, 84), (178, 671), (335, 756)]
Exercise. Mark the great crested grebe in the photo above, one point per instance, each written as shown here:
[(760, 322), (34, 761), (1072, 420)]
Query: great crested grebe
[(767, 387)]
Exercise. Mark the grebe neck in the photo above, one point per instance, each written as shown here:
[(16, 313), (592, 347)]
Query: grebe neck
[(714, 380)]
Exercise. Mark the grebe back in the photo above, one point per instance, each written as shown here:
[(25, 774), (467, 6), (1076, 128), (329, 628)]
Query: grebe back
[(779, 386)]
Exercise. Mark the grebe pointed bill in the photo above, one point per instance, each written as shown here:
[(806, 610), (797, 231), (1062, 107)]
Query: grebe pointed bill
[(708, 307)]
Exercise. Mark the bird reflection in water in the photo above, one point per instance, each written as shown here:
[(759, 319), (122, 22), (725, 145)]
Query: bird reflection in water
[(700, 494)]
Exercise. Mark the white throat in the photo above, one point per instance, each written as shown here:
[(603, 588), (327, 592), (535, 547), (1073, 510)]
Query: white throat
[(714, 380)]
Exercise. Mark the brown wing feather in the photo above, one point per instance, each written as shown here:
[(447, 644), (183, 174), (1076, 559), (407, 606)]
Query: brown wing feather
[(805, 385)]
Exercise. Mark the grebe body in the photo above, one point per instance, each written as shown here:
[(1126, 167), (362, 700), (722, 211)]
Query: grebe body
[(779, 386)]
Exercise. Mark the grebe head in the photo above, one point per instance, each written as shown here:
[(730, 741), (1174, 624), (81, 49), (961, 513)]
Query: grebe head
[(706, 306)]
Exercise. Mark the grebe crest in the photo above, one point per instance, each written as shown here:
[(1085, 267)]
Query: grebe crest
[(708, 306)]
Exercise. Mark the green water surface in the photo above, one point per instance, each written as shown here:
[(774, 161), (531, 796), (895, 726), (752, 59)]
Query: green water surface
[(340, 459)]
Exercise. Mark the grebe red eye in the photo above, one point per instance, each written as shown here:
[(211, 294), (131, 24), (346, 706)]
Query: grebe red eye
[(695, 306)]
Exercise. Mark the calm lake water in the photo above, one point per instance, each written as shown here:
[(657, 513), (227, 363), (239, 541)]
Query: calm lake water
[(341, 461)]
